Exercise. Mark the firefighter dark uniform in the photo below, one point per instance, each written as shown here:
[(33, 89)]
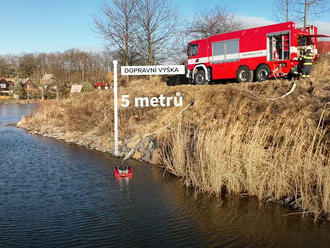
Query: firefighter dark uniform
[(307, 64)]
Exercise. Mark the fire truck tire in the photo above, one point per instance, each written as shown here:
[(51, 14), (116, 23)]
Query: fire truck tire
[(200, 78), (243, 74), (262, 73)]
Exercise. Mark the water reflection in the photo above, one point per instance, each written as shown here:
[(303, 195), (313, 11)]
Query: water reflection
[(233, 222), (123, 183), (13, 113)]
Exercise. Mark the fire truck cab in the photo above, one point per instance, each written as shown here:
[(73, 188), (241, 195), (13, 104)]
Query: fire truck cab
[(250, 54)]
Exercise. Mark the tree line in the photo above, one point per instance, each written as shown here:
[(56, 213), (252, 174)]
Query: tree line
[(72, 65), (141, 32)]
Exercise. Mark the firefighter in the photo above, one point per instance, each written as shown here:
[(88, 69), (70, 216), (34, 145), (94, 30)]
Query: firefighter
[(307, 60)]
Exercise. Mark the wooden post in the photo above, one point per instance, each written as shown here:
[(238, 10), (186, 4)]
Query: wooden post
[(27, 91), (42, 92), (56, 93)]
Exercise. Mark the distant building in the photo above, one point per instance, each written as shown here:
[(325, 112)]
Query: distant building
[(16, 81), (101, 86), (29, 87), (11, 81), (76, 88), (4, 87)]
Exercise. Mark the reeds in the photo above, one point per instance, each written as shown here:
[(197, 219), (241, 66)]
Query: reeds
[(268, 160)]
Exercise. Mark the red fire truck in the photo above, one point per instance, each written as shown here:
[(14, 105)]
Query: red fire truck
[(250, 54)]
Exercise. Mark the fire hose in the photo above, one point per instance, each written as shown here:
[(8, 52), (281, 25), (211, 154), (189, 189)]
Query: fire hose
[(293, 87)]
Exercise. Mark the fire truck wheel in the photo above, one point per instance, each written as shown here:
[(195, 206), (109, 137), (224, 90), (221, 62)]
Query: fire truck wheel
[(200, 78), (262, 73), (243, 74)]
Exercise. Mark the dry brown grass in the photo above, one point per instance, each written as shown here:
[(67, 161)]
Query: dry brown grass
[(263, 159), (234, 139)]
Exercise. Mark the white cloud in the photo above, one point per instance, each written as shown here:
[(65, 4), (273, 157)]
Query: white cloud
[(254, 21), (88, 48)]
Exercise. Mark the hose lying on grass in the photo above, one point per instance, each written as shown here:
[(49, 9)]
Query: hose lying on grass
[(293, 87)]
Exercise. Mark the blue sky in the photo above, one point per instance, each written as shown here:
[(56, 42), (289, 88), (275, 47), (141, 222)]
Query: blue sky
[(48, 26)]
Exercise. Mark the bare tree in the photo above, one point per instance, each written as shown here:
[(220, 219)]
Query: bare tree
[(283, 9), (116, 26), (5, 70), (309, 8), (27, 65), (157, 24), (215, 21), (299, 10)]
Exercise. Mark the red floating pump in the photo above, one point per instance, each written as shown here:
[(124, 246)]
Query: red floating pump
[(123, 172)]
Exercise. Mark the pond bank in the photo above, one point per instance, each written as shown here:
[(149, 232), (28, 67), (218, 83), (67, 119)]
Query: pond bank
[(232, 140), (18, 101), (144, 151)]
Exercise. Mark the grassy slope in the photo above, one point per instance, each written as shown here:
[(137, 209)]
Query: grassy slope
[(233, 139)]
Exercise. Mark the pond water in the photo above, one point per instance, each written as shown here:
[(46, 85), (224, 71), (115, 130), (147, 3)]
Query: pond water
[(58, 195)]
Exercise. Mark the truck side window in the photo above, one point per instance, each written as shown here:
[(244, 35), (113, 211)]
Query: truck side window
[(232, 50), (218, 51), (218, 48), (232, 46), (279, 46), (193, 50), (225, 51)]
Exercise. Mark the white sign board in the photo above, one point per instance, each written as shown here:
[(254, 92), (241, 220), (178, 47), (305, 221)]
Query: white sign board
[(76, 88), (153, 70)]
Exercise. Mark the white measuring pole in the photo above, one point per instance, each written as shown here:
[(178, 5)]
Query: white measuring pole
[(115, 107)]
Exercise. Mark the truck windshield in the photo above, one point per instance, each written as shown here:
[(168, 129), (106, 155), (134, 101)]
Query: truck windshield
[(192, 50)]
